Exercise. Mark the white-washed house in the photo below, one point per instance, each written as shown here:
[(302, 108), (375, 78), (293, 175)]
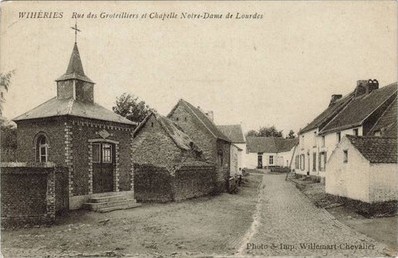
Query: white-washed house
[(354, 114), (265, 152), (364, 168), (238, 146)]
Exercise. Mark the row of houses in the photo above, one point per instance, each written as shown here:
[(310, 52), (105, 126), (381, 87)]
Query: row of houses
[(352, 144), (163, 158)]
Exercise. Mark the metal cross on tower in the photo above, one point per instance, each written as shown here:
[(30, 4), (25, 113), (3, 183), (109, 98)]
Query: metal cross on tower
[(76, 30)]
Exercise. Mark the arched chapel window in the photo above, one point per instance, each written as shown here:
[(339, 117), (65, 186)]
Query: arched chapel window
[(42, 149)]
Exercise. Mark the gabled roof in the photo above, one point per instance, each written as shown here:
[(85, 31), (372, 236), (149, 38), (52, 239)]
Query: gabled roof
[(233, 132), (387, 124), (360, 108), (75, 68), (181, 139), (376, 149), (63, 107), (328, 114), (202, 118), (269, 144)]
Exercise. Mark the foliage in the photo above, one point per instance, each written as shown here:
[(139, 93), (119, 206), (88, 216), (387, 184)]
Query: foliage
[(131, 107), (265, 132), (5, 79), (291, 135), (5, 82), (8, 136)]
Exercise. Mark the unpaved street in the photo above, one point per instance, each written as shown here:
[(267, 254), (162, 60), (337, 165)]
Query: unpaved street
[(269, 216)]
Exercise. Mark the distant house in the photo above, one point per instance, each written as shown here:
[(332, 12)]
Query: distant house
[(357, 113), (168, 165), (201, 129), (238, 147), (364, 169), (265, 152)]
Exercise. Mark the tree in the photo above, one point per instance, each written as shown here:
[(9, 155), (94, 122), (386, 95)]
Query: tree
[(131, 107), (265, 132), (291, 135), (5, 82), (252, 133), (269, 132)]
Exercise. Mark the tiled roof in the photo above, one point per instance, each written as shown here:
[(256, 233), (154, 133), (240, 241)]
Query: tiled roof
[(75, 68), (269, 144), (387, 124), (181, 139), (360, 108), (376, 149), (233, 132), (204, 119), (328, 113), (62, 107)]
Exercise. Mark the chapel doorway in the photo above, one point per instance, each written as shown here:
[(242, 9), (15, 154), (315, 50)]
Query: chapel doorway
[(103, 166)]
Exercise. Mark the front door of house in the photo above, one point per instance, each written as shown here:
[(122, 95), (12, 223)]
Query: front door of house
[(103, 166), (260, 161)]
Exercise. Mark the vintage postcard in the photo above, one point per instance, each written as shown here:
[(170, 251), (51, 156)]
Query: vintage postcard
[(198, 128)]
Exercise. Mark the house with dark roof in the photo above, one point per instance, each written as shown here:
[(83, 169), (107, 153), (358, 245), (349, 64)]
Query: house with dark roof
[(238, 146), (73, 131), (357, 113), (165, 160), (266, 152), (364, 168), (215, 145)]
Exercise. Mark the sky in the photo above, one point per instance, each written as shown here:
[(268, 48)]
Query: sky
[(279, 70)]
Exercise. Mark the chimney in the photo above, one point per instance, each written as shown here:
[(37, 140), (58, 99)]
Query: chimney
[(334, 98), (210, 114), (365, 87)]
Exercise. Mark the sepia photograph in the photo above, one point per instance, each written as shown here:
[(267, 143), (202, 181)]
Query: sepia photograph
[(198, 128)]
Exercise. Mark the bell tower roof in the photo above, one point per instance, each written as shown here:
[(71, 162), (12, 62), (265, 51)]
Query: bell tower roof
[(75, 68)]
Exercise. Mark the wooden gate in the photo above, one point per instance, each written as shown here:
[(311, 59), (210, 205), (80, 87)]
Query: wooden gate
[(103, 166)]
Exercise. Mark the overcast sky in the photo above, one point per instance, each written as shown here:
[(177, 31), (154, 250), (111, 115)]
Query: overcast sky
[(279, 70)]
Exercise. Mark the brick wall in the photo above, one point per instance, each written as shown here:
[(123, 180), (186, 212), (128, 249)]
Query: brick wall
[(158, 184), (83, 130), (193, 181), (152, 184), (28, 193), (28, 131)]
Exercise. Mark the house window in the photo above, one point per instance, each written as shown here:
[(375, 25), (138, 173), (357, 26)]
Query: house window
[(378, 133), (271, 160), (297, 162), (345, 156), (338, 135), (323, 141), (322, 161), (96, 153), (106, 153), (314, 139), (314, 161), (356, 131), (220, 158), (42, 149), (302, 162), (302, 142), (177, 119)]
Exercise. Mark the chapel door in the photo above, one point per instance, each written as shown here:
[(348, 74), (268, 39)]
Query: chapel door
[(103, 166)]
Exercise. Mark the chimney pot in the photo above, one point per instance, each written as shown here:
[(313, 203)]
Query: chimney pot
[(365, 87), (334, 98)]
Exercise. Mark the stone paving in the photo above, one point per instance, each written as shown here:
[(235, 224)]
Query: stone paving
[(287, 223)]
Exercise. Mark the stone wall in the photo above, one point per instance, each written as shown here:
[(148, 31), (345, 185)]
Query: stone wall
[(157, 184), (28, 193)]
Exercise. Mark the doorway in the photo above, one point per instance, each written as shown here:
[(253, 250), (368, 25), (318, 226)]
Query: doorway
[(103, 166)]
